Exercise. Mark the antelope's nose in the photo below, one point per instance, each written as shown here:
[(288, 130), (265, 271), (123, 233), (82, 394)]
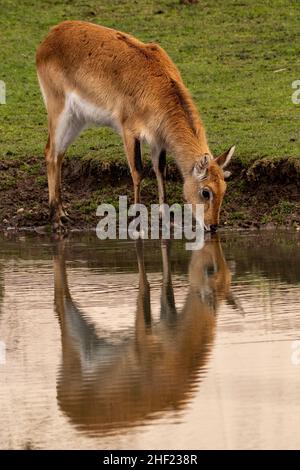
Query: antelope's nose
[(213, 228)]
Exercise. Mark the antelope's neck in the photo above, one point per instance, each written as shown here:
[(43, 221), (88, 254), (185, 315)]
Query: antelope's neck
[(187, 143)]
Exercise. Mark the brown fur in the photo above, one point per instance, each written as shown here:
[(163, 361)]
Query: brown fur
[(136, 82)]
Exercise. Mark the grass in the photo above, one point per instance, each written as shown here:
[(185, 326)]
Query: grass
[(237, 57)]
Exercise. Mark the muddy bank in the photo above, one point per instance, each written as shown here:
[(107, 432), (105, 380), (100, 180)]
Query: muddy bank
[(266, 193)]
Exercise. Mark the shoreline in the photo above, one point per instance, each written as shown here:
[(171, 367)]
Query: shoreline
[(223, 230), (264, 194)]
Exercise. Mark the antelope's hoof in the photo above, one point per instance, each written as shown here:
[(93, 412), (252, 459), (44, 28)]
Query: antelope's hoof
[(65, 219), (59, 228)]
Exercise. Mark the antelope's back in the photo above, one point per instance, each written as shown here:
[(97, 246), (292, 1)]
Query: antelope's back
[(80, 49)]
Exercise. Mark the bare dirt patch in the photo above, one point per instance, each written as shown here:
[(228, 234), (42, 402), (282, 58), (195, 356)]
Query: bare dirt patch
[(267, 193)]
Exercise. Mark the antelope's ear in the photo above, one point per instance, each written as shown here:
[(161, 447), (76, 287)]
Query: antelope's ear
[(201, 166), (224, 159)]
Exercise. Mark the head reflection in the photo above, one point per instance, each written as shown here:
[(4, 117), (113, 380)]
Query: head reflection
[(104, 386)]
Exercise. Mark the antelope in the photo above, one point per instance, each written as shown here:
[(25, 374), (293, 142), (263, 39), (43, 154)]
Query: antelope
[(105, 384), (94, 75)]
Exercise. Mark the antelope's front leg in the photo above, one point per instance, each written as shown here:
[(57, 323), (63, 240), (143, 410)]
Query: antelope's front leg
[(134, 156), (159, 163)]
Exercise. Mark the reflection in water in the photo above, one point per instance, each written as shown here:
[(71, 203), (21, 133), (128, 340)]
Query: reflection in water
[(104, 383), (184, 371)]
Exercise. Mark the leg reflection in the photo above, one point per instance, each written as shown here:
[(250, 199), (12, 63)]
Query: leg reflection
[(106, 385)]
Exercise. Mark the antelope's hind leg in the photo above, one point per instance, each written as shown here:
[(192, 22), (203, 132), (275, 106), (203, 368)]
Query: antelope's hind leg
[(64, 126)]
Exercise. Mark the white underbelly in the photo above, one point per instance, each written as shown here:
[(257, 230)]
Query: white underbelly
[(90, 113), (77, 115)]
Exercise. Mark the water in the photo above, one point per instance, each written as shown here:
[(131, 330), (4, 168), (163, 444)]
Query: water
[(116, 345)]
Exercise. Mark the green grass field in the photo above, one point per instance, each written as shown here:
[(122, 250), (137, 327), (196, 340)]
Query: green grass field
[(237, 57)]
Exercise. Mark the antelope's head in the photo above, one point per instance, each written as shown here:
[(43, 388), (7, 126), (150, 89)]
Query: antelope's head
[(206, 185)]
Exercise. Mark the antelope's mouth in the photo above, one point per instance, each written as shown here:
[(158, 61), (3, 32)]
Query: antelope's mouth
[(211, 228)]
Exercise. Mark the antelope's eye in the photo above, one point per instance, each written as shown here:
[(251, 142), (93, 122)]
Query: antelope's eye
[(206, 194)]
